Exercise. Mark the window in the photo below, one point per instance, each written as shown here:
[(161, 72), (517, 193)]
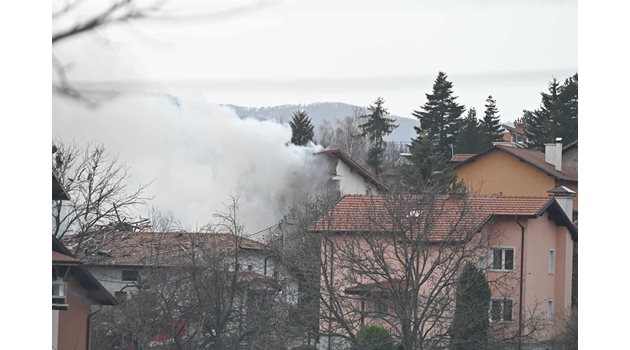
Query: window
[(276, 275), (59, 293), (501, 310), (550, 310), (552, 261), (502, 258), (250, 267), (379, 307), (130, 276)]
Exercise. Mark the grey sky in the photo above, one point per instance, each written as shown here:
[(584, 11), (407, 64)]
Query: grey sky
[(278, 52)]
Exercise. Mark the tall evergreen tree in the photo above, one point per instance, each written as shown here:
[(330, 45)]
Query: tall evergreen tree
[(301, 128), (471, 138), (491, 123), (440, 117), (470, 323), (440, 123), (557, 115), (566, 124), (376, 125)]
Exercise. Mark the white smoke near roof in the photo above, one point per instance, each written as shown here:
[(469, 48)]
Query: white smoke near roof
[(197, 155)]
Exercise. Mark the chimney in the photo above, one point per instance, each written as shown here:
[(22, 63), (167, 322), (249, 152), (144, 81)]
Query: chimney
[(564, 196), (553, 153)]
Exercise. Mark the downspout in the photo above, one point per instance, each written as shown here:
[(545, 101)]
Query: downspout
[(330, 296), (87, 331), (520, 294)]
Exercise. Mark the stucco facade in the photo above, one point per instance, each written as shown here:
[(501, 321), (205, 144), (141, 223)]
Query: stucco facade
[(530, 235), (499, 173)]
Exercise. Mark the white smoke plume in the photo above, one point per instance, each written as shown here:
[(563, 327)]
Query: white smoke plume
[(197, 155)]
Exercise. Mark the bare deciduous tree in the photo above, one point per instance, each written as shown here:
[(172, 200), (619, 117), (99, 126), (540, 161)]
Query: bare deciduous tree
[(101, 201), (395, 260), (195, 295)]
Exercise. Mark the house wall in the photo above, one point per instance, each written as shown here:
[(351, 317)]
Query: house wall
[(351, 182), (111, 276), (499, 173), (72, 325), (541, 234)]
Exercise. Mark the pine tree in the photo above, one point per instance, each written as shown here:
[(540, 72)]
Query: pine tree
[(556, 117), (470, 323), (301, 128), (491, 123), (566, 125), (440, 123), (376, 126), (440, 117), (429, 170), (471, 138)]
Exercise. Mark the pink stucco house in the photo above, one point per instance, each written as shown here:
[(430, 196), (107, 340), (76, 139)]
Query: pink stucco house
[(381, 254)]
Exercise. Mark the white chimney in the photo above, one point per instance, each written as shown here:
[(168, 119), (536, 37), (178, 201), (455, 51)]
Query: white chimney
[(553, 153), (564, 196)]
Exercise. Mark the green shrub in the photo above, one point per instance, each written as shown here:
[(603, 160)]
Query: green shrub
[(373, 337)]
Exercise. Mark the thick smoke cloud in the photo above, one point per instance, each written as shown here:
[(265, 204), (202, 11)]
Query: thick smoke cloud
[(197, 155)]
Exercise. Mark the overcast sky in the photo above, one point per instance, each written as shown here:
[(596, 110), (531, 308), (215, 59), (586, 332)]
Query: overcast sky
[(261, 53), (196, 154)]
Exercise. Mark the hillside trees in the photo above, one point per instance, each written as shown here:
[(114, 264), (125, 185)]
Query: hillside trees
[(376, 125), (301, 128)]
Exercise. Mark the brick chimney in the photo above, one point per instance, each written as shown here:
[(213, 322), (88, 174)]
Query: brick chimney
[(564, 196), (553, 153)]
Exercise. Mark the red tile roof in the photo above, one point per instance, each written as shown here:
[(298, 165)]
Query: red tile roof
[(163, 248), (440, 218), (356, 166), (62, 259), (534, 158)]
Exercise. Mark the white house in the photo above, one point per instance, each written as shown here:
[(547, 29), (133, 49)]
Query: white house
[(349, 177), (120, 264)]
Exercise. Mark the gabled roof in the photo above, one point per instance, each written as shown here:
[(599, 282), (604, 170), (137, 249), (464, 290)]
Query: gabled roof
[(93, 288), (355, 166), (63, 259), (443, 216), (531, 157), (163, 248)]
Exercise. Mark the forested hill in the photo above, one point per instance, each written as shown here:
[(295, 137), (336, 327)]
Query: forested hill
[(322, 111)]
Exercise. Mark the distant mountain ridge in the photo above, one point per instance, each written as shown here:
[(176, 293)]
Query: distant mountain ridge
[(324, 111)]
